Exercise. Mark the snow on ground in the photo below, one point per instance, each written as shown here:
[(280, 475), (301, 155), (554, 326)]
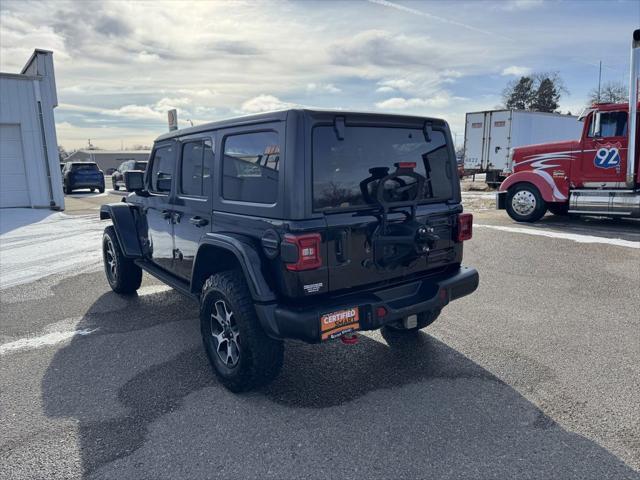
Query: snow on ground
[(38, 243), (563, 235)]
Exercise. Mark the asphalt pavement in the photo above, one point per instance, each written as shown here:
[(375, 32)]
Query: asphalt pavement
[(536, 375)]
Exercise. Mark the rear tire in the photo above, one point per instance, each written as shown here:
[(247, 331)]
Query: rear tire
[(123, 275), (66, 190), (525, 204), (243, 357), (116, 187)]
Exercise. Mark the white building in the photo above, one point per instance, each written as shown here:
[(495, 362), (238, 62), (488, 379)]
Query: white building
[(29, 167)]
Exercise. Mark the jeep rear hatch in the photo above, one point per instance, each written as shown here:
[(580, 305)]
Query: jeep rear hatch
[(389, 200)]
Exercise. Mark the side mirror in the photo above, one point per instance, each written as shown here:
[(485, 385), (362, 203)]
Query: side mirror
[(134, 180)]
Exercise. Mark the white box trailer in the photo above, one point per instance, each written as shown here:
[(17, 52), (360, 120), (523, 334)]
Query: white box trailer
[(489, 135)]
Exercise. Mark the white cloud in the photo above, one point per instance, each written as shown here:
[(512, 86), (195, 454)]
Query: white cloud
[(323, 88), (264, 103), (515, 5), (438, 100), (516, 71), (385, 89), (395, 84), (135, 111)]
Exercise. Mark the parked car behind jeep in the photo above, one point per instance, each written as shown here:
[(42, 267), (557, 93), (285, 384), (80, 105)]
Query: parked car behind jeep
[(301, 224), (117, 177), (77, 175)]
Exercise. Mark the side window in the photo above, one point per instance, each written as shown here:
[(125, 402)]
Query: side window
[(162, 170), (196, 168), (608, 124), (251, 165)]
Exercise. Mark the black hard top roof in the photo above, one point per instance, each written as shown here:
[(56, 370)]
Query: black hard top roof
[(281, 115)]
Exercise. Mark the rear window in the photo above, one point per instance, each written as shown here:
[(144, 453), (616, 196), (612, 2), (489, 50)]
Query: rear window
[(341, 168), (84, 166)]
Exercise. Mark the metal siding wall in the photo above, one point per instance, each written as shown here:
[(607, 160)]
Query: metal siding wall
[(18, 106)]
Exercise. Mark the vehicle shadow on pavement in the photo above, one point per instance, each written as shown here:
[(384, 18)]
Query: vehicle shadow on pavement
[(148, 406)]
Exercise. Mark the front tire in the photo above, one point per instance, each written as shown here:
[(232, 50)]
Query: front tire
[(243, 357), (525, 204), (123, 275)]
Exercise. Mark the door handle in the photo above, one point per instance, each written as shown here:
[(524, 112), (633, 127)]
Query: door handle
[(198, 221), (341, 246)]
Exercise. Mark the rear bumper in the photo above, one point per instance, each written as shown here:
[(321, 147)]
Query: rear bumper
[(400, 301), (87, 184)]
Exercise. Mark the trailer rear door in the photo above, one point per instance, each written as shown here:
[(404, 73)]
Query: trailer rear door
[(474, 141), (499, 128)]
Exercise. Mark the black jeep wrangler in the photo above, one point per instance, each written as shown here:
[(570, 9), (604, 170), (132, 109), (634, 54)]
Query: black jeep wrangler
[(299, 224)]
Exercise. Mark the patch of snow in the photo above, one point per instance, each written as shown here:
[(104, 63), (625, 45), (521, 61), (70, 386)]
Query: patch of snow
[(37, 243), (563, 235), (31, 343)]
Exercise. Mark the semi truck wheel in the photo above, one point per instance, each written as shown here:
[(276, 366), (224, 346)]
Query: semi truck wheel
[(525, 204), (123, 275), (243, 357)]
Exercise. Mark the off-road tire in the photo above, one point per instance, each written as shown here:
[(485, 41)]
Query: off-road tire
[(559, 209), (424, 320), (125, 277), (531, 193), (259, 356)]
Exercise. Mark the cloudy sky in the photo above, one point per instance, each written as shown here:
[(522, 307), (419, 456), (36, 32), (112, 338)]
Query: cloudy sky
[(121, 65)]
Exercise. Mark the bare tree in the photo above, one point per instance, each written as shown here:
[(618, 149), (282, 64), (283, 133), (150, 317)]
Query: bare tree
[(611, 92), (62, 153)]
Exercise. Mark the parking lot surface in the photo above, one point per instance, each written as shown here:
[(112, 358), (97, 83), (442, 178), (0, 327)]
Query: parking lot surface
[(535, 375)]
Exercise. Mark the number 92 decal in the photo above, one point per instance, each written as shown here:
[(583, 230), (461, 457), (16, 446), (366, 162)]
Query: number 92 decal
[(607, 158)]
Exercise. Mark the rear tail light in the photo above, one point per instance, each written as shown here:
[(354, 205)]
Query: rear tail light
[(406, 165), (465, 227), (308, 246)]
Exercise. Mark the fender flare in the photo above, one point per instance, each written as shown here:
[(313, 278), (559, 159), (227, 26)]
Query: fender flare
[(541, 180), (124, 223), (248, 259)]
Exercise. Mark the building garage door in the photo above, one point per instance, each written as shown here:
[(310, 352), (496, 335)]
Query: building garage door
[(13, 179)]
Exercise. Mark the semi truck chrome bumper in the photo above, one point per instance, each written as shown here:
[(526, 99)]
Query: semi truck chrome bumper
[(369, 310)]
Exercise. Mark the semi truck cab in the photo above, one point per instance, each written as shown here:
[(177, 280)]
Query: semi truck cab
[(597, 174)]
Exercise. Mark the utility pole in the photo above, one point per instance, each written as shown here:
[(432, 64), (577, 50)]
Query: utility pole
[(599, 80)]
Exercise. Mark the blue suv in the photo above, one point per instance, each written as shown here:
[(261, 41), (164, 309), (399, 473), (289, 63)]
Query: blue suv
[(76, 175)]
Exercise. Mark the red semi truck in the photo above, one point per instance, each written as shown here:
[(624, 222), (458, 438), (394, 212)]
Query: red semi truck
[(595, 175)]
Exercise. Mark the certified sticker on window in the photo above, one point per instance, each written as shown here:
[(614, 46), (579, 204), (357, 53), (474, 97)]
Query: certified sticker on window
[(338, 323)]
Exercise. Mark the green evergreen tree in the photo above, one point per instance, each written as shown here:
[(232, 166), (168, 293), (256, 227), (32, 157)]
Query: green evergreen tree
[(519, 96), (546, 97)]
